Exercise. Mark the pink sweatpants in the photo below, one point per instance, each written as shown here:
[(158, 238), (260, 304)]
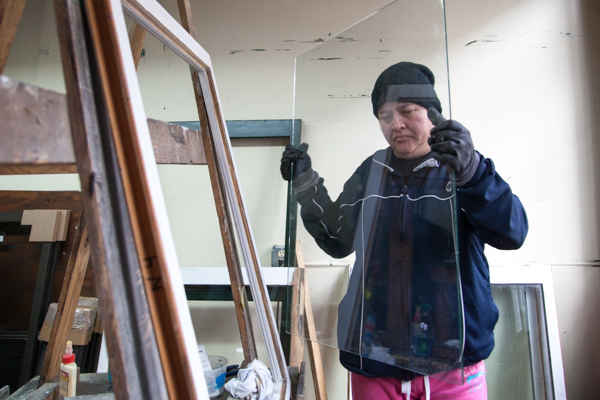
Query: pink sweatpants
[(474, 387)]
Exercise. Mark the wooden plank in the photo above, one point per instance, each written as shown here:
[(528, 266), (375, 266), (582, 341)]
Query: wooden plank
[(37, 169), (145, 202), (40, 139), (34, 127), (10, 15), (137, 34), (90, 386), (297, 325), (174, 144), (131, 344), (30, 391), (316, 363), (222, 207), (29, 387), (67, 303), (34, 124)]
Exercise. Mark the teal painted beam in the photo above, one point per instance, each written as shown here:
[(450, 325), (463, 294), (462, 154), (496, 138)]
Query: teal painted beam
[(268, 128)]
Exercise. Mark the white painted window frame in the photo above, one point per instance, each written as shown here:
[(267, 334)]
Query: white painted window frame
[(538, 274), (156, 20)]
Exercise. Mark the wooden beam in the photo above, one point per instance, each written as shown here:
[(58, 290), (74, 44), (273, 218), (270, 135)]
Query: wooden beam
[(10, 16), (35, 127), (174, 144), (231, 252), (137, 34), (297, 325), (31, 391), (316, 363), (67, 303), (131, 343), (38, 138)]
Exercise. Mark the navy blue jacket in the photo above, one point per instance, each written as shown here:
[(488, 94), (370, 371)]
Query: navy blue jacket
[(402, 234)]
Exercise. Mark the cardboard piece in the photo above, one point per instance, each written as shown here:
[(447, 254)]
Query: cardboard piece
[(63, 225), (47, 225)]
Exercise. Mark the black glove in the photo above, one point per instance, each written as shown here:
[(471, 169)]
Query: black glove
[(297, 156), (304, 176), (452, 146)]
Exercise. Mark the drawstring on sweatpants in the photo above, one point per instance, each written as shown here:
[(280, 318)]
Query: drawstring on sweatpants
[(406, 388)]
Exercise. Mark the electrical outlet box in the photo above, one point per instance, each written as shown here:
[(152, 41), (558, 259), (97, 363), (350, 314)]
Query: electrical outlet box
[(277, 256)]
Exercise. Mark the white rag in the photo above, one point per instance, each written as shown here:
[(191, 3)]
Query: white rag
[(252, 383)]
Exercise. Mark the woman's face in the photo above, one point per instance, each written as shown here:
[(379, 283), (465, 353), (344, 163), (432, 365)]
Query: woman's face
[(406, 128)]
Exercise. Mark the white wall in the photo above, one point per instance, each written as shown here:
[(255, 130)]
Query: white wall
[(524, 77), (524, 80)]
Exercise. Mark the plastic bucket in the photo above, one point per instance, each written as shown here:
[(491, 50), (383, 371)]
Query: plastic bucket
[(216, 376)]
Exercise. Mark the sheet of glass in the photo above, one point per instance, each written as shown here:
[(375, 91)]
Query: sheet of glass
[(402, 306)]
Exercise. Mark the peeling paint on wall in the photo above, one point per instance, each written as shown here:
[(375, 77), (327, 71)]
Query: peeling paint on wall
[(346, 39), (483, 41), (319, 40), (349, 96), (326, 59)]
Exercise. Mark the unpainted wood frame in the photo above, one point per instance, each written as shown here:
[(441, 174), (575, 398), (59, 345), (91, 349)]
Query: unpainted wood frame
[(126, 114), (314, 351), (297, 325), (10, 15), (137, 34), (131, 342)]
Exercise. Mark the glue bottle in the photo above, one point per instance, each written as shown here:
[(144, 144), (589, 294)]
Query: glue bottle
[(68, 373)]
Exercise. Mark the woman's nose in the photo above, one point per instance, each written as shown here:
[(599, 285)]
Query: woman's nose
[(398, 121)]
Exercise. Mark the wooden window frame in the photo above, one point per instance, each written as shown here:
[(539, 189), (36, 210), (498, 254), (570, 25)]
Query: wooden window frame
[(152, 235)]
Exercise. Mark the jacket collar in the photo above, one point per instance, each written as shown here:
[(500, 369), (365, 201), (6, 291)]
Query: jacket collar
[(383, 158)]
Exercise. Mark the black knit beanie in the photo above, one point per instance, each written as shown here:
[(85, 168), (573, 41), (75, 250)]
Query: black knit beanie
[(405, 81)]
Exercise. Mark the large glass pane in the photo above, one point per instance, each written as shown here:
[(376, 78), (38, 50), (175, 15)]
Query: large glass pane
[(394, 221)]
